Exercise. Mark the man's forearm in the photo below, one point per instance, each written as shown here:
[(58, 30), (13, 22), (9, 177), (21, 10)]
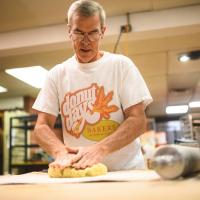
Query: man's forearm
[(129, 130), (48, 140)]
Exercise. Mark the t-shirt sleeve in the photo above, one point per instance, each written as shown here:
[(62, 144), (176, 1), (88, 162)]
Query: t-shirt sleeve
[(133, 87), (47, 99)]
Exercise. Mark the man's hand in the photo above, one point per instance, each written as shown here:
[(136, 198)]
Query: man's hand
[(63, 160), (86, 156)]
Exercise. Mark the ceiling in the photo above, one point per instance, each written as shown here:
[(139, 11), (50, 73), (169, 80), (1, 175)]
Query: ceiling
[(154, 51), (20, 14)]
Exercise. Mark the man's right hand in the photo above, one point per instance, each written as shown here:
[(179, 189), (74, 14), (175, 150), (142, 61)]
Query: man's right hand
[(63, 160)]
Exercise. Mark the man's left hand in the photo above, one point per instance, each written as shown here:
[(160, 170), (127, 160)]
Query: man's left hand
[(86, 156)]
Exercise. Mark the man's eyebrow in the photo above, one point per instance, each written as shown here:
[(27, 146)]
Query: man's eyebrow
[(78, 30), (95, 30)]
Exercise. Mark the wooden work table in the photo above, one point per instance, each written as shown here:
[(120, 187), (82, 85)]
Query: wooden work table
[(152, 190)]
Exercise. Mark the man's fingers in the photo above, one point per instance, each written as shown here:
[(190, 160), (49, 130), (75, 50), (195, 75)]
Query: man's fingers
[(76, 158), (52, 164), (83, 163), (61, 163)]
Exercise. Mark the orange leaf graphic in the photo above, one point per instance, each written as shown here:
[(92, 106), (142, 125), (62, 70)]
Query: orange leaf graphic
[(101, 103)]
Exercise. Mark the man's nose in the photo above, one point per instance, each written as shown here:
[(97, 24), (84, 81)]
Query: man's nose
[(85, 38)]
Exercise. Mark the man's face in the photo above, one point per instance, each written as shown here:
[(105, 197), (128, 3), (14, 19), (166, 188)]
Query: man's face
[(85, 34)]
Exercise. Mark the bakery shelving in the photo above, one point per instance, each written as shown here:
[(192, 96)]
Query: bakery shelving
[(24, 154)]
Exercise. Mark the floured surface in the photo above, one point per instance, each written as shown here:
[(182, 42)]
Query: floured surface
[(40, 177)]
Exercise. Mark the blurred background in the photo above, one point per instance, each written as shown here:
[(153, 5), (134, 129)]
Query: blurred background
[(162, 37)]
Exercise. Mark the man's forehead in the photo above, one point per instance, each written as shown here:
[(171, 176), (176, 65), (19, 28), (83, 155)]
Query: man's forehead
[(85, 23), (90, 21)]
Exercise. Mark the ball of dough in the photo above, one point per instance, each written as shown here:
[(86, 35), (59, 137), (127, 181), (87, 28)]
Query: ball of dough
[(96, 170), (70, 172), (55, 172)]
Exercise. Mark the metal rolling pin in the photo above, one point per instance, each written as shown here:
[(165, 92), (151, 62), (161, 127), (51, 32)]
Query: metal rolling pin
[(173, 161)]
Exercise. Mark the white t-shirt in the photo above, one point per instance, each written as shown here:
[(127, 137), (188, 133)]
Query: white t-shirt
[(91, 98)]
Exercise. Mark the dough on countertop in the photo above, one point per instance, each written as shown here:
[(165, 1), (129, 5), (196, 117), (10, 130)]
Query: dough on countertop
[(70, 172)]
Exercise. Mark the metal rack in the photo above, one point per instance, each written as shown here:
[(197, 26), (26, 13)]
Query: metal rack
[(20, 145), (190, 124)]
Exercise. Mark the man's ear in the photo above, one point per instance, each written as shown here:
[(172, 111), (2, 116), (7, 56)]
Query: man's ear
[(103, 29), (68, 28)]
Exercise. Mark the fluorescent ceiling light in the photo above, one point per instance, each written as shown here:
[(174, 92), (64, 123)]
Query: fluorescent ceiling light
[(191, 55), (3, 89), (176, 109), (34, 76), (194, 104), (184, 58)]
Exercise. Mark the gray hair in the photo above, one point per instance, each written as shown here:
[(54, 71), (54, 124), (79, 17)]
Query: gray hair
[(86, 8)]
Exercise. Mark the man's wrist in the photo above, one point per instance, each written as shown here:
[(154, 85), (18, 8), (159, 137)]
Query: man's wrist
[(59, 153), (103, 148)]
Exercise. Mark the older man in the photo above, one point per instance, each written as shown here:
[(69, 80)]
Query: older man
[(101, 98)]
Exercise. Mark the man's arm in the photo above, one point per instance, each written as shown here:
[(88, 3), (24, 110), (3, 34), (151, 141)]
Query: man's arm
[(132, 127), (47, 139)]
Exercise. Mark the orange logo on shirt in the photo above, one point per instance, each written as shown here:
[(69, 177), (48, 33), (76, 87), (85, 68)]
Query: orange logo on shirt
[(86, 106)]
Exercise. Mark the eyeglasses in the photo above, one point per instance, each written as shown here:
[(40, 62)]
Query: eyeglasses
[(79, 36)]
